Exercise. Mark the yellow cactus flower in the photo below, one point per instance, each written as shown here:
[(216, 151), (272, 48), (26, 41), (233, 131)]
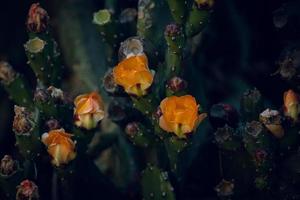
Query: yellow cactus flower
[(134, 75), (291, 105), (89, 110), (180, 115), (60, 146)]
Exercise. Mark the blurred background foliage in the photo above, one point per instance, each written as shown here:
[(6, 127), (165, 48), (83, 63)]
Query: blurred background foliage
[(239, 50)]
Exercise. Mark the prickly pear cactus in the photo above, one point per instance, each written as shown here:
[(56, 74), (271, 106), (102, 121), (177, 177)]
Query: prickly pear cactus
[(117, 101)]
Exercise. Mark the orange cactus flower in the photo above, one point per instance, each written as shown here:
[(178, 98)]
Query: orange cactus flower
[(291, 105), (60, 146), (89, 110), (134, 75), (180, 115)]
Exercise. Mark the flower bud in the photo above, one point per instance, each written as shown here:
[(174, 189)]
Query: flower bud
[(27, 190), (23, 121), (204, 4), (272, 121), (254, 128), (8, 166), (132, 128), (291, 105), (109, 84), (157, 114), (180, 115), (222, 114), (224, 188), (41, 95), (128, 15), (60, 146), (138, 134), (289, 63), (173, 30), (177, 84), (260, 156), (38, 19), (7, 73), (133, 46), (52, 124), (226, 139), (280, 18), (134, 75), (174, 38), (56, 93), (89, 110)]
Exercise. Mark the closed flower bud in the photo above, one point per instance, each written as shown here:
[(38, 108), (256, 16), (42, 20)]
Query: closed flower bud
[(272, 121), (38, 19), (134, 75), (132, 128), (173, 30), (128, 15), (89, 110), (224, 188), (41, 95), (204, 4), (289, 63), (133, 46), (23, 121), (7, 74), (56, 93), (109, 84), (260, 156), (221, 114), (27, 190), (8, 166), (254, 128), (176, 84), (52, 124), (224, 134), (291, 105), (60, 146), (180, 115)]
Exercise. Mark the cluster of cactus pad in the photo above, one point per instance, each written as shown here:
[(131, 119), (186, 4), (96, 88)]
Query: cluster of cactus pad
[(145, 122)]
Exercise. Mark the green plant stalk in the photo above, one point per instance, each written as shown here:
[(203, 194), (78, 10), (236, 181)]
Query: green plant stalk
[(196, 21), (156, 185), (19, 91), (44, 59), (173, 62), (178, 8), (108, 28), (174, 148), (8, 183)]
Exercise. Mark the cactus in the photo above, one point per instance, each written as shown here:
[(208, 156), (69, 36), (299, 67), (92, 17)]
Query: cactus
[(41, 49), (15, 84), (140, 130), (156, 184)]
